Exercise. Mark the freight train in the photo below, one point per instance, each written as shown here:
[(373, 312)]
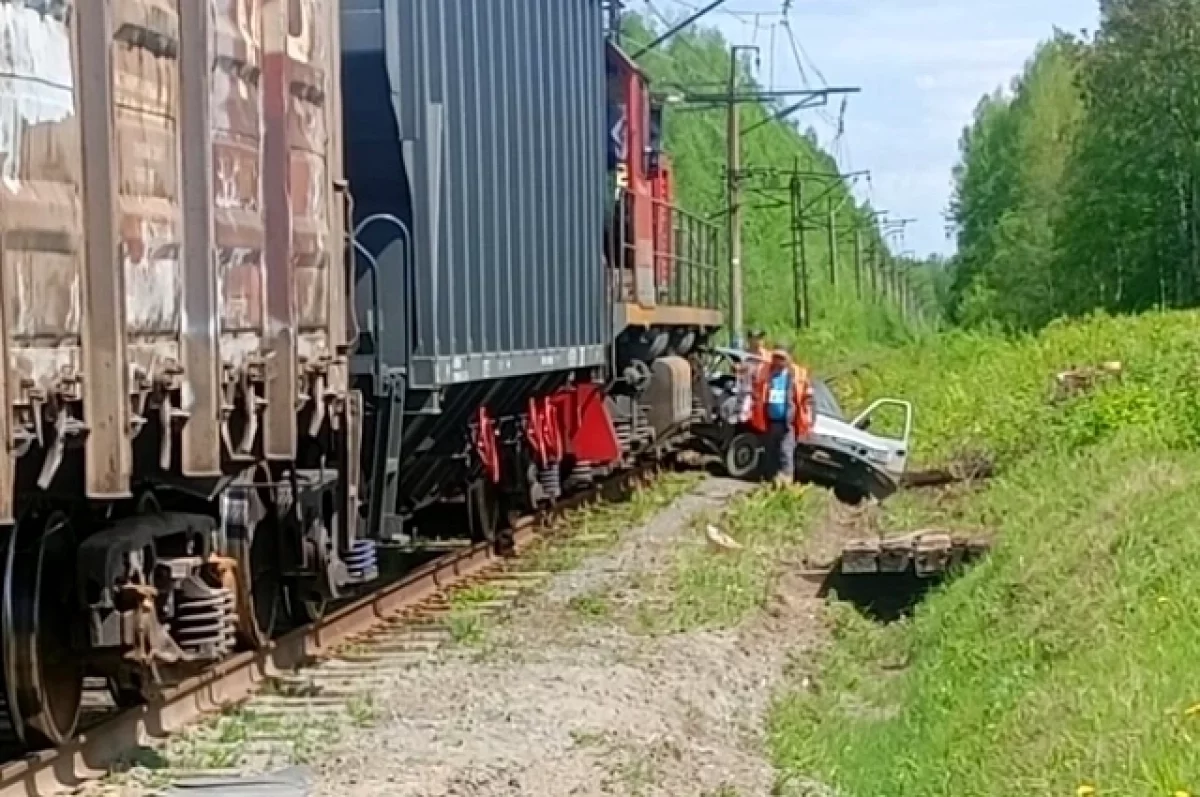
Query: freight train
[(279, 277)]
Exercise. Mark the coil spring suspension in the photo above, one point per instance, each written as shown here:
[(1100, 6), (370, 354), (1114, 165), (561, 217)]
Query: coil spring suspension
[(362, 560), (624, 430), (645, 432), (205, 619), (550, 480), (583, 472)]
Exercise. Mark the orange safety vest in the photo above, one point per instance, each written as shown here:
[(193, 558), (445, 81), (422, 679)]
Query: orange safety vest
[(801, 399)]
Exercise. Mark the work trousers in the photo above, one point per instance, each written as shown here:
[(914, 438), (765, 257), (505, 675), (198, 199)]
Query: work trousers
[(780, 450)]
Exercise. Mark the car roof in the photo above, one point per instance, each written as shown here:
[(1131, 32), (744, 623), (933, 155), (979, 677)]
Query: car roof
[(735, 354)]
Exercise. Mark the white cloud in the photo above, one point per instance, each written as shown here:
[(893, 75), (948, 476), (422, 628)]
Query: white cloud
[(976, 80), (915, 48), (912, 182)]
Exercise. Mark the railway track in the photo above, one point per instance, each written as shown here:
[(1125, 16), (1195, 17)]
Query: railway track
[(382, 620)]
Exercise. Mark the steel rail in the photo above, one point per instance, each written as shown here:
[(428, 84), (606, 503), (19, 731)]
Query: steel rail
[(86, 758)]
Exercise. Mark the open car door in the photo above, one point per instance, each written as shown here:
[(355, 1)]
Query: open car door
[(894, 450)]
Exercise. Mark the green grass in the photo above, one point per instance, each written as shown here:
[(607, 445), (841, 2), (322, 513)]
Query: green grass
[(467, 626), (593, 529), (977, 392), (583, 533), (471, 597), (362, 710), (708, 588), (219, 742), (468, 618), (1067, 658), (592, 605)]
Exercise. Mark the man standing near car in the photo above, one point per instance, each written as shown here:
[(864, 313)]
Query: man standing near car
[(748, 371), (782, 411), (758, 345)]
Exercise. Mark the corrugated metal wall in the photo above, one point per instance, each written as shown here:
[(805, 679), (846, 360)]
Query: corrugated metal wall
[(502, 103)]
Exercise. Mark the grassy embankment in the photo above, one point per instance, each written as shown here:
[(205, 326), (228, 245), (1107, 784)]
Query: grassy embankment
[(1065, 663)]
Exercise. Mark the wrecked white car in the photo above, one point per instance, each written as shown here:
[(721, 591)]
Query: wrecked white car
[(842, 455)]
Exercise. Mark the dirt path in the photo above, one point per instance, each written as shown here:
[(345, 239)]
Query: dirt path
[(562, 703), (571, 693)]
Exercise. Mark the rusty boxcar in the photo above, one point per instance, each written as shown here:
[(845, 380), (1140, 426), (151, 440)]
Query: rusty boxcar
[(269, 292), (174, 334)]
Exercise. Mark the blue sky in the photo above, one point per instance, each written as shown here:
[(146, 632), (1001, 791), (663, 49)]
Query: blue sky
[(922, 66)]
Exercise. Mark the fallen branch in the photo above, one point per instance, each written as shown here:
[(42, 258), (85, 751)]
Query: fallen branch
[(966, 470)]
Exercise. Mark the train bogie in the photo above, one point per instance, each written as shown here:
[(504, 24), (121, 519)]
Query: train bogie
[(174, 304), (669, 395)]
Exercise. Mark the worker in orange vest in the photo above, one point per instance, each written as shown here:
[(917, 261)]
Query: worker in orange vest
[(747, 370), (782, 411)]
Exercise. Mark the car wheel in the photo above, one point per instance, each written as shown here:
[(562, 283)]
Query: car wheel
[(848, 495), (742, 456)]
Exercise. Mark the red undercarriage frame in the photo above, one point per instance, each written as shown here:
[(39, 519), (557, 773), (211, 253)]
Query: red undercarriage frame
[(573, 421), (485, 444)]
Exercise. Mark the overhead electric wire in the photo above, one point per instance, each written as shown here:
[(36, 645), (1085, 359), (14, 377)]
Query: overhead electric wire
[(742, 15), (796, 50), (800, 57), (799, 51), (682, 41), (838, 144)]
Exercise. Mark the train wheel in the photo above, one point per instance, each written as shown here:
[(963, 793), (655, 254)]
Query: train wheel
[(483, 511), (305, 601), (305, 605), (258, 571), (124, 697), (43, 672)]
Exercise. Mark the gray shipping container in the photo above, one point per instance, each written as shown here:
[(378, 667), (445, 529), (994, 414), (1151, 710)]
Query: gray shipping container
[(480, 126)]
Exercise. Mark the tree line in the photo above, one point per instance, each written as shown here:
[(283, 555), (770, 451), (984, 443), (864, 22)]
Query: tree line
[(1079, 188)]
